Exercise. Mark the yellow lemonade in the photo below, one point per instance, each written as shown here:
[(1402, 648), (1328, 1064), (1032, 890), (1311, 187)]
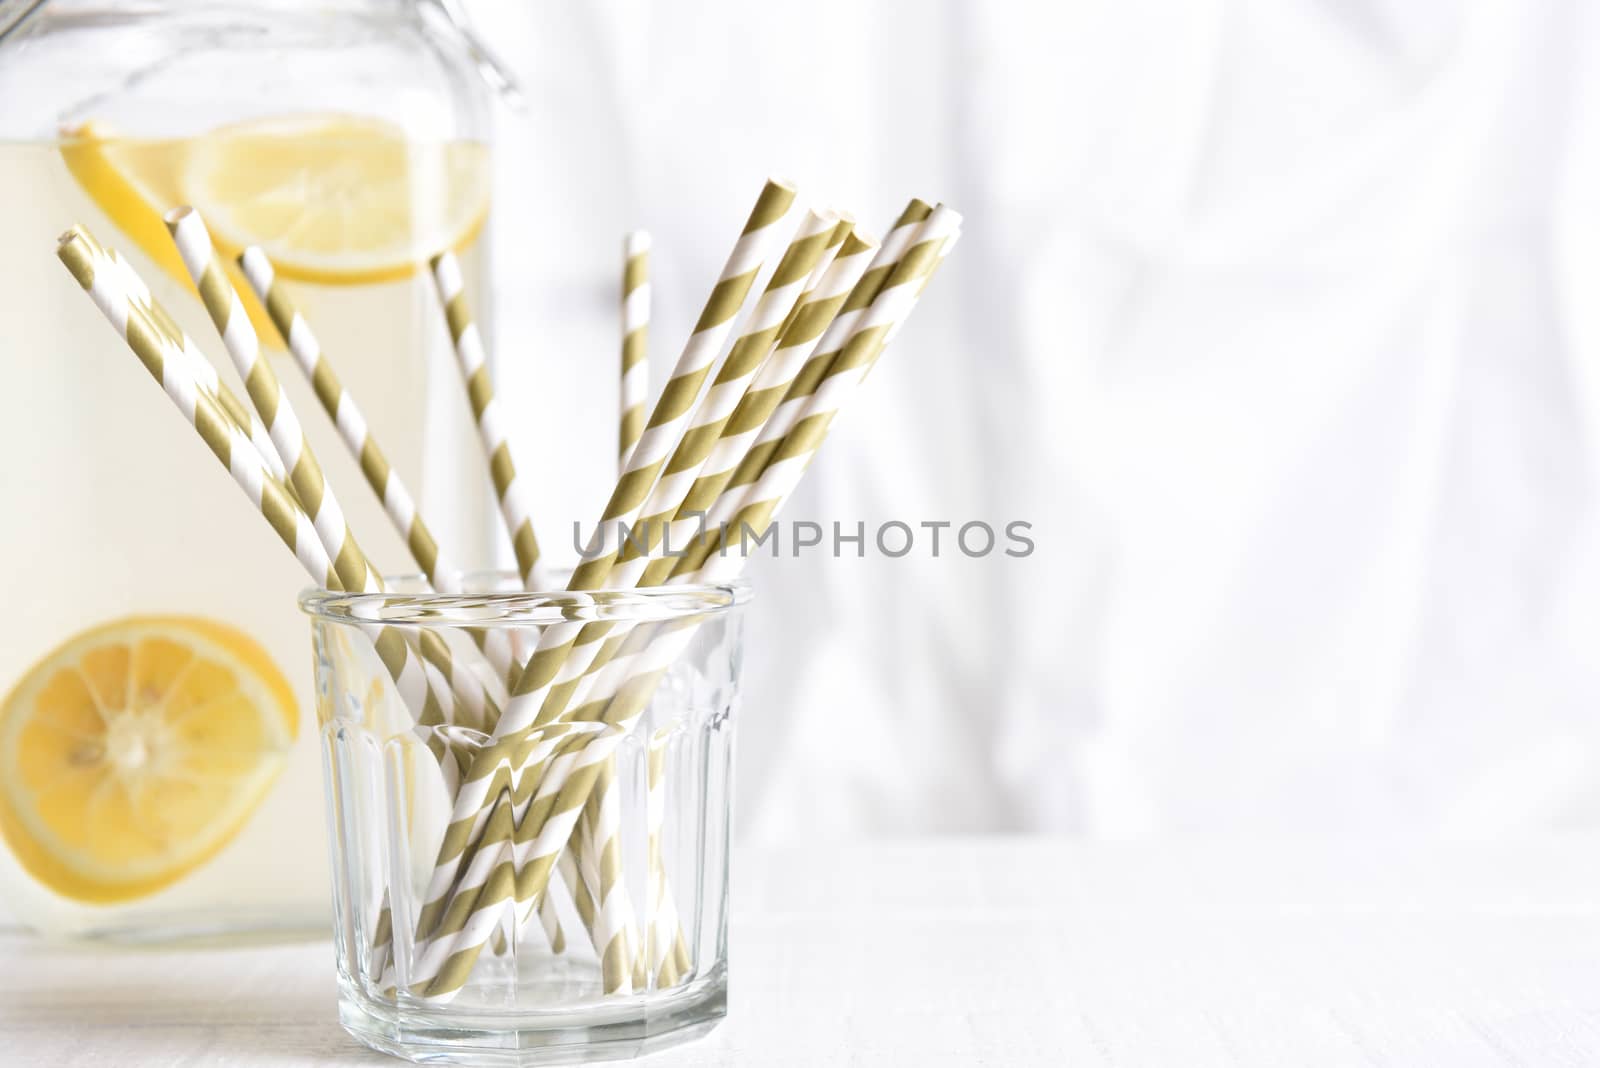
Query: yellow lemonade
[(159, 761)]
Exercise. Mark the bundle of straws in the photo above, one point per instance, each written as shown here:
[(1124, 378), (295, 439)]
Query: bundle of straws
[(705, 464)]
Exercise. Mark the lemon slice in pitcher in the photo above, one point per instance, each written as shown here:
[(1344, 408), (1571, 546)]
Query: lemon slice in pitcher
[(135, 751), (337, 199), (134, 183), (334, 199)]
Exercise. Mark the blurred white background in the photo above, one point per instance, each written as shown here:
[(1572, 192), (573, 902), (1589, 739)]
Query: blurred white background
[(1275, 319)]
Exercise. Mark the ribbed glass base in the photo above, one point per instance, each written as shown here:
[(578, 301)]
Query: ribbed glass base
[(608, 1029)]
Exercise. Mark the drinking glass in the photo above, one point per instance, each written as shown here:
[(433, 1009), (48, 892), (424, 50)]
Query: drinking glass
[(586, 916)]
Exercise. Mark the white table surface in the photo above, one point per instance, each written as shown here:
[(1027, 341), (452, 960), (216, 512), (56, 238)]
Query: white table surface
[(1012, 951)]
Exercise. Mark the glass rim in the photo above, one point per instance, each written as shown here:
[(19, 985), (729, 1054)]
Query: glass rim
[(406, 606)]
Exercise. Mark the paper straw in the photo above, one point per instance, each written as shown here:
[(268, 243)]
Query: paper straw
[(491, 877), (814, 324), (164, 358), (520, 870), (451, 684), (537, 843), (664, 433), (901, 284), (635, 381), (469, 910), (168, 365), (138, 295), (905, 282), (663, 429), (811, 413), (614, 938), (519, 765), (670, 417), (705, 422), (509, 490), (805, 382), (205, 375), (748, 358), (349, 420), (848, 256), (815, 327), (385, 481), (577, 880), (551, 922), (580, 868), (417, 682), (842, 229), (512, 789), (668, 955), (261, 384), (461, 686)]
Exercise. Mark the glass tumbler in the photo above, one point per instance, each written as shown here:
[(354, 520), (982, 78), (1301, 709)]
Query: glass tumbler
[(542, 875)]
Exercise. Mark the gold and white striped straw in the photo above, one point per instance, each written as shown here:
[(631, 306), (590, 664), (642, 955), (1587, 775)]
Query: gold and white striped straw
[(381, 476), (815, 324), (662, 648), (166, 361), (675, 410), (669, 419), (887, 267), (415, 680), (819, 236), (635, 380), (511, 790), (508, 486), (489, 882), (881, 300), (811, 329), (310, 486), (757, 335), (842, 229), (523, 866), (787, 414), (615, 936), (662, 432), (755, 505), (538, 842), (479, 688), (200, 367), (349, 420), (724, 501), (266, 394), (171, 368), (768, 352), (668, 954), (550, 920), (579, 879), (520, 765)]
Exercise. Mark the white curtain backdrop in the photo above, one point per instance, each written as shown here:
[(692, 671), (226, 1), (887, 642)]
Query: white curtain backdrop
[(1277, 320)]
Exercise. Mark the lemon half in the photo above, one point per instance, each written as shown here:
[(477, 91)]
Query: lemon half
[(135, 751)]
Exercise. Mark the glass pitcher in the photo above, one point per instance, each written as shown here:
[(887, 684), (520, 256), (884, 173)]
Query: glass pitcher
[(159, 769)]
